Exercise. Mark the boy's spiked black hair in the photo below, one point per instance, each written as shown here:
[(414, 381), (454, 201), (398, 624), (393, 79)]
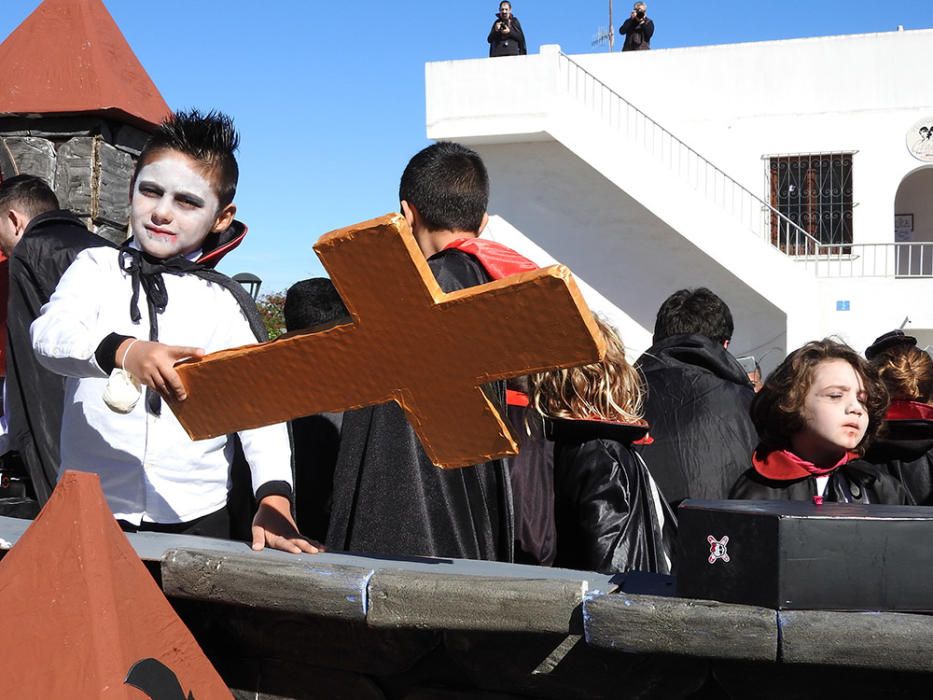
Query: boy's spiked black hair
[(210, 139)]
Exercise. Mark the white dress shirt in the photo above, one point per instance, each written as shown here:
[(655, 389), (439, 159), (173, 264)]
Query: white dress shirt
[(149, 468)]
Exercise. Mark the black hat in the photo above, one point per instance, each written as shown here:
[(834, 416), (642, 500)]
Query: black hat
[(891, 339)]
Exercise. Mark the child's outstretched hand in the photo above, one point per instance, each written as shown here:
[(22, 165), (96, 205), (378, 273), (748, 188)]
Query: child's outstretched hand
[(153, 364), (273, 526)]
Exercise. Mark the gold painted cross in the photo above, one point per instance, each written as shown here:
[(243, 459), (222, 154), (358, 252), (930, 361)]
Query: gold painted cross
[(409, 342)]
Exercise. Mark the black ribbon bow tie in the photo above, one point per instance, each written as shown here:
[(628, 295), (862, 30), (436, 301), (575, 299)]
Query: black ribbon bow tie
[(146, 271)]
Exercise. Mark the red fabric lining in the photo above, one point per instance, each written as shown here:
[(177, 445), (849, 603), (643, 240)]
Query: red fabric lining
[(783, 465), (497, 259), (513, 397), (909, 410)]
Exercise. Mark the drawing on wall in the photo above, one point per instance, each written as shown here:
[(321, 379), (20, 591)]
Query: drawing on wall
[(920, 140)]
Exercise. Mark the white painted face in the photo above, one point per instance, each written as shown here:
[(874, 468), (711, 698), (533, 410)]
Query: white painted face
[(834, 413), (174, 206)]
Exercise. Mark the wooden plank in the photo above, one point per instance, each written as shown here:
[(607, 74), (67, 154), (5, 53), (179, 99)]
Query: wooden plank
[(406, 599), (892, 641), (655, 625), (297, 585)]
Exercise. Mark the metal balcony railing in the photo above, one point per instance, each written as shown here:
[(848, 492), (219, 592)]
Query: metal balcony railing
[(744, 206)]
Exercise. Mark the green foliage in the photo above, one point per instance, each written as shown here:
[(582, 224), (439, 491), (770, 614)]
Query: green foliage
[(272, 309)]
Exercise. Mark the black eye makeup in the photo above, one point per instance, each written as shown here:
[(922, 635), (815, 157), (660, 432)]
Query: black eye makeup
[(189, 200), (150, 188)]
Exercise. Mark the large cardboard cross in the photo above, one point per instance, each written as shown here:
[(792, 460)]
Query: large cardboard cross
[(408, 342)]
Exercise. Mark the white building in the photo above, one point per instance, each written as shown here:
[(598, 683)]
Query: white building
[(770, 172)]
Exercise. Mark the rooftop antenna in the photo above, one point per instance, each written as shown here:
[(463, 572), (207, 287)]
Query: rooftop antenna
[(603, 35)]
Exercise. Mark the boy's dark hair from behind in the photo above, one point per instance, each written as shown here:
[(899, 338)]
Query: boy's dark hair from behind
[(694, 311), (29, 194), (449, 186), (211, 139), (313, 302)]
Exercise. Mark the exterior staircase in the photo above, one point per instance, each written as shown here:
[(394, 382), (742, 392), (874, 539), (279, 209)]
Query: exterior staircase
[(674, 219)]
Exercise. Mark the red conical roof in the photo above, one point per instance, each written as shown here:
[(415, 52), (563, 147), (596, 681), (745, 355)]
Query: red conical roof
[(81, 611), (69, 57)]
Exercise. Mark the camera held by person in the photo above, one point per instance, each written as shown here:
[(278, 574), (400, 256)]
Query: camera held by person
[(637, 29)]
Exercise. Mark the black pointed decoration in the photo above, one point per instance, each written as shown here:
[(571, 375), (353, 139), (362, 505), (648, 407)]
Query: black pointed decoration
[(156, 680)]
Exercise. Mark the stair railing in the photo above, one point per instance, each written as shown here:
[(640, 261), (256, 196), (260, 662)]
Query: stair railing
[(697, 171)]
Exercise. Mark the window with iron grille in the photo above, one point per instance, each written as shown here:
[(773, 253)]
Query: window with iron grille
[(814, 191)]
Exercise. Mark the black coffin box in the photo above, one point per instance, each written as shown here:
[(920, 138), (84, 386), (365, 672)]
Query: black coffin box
[(797, 555)]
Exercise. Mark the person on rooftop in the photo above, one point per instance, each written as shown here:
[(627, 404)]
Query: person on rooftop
[(637, 29), (506, 37)]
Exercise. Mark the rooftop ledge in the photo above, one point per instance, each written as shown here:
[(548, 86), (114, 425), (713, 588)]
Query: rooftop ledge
[(919, 33)]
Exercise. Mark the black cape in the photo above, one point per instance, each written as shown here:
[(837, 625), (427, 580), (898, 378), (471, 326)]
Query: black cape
[(389, 498), (35, 396), (854, 482), (316, 441), (905, 451), (607, 517), (697, 407), (532, 475)]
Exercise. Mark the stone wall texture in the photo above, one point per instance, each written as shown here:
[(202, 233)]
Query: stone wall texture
[(88, 162)]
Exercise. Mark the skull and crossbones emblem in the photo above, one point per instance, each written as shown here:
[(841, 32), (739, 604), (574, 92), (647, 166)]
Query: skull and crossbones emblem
[(717, 549)]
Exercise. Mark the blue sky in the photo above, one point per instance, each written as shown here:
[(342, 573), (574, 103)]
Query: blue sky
[(329, 98)]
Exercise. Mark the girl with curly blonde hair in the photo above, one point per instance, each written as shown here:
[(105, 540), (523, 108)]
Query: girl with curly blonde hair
[(610, 515)]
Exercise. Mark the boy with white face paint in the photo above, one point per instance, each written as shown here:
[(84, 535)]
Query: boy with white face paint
[(182, 221)]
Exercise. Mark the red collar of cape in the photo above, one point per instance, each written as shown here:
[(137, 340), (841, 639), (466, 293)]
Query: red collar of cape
[(218, 244), (783, 465), (909, 410), (498, 260)]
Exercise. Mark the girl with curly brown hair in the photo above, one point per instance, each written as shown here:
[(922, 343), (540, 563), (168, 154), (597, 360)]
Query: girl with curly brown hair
[(904, 447), (610, 516), (816, 414)]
